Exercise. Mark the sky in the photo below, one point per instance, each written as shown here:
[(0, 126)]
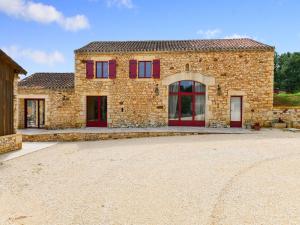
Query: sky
[(41, 35)]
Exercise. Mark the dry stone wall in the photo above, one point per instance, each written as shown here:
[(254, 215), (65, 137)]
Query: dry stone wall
[(10, 143), (291, 116)]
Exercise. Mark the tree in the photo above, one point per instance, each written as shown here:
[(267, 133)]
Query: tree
[(287, 71)]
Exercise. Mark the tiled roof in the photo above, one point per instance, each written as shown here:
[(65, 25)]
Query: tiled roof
[(48, 81), (177, 45), (5, 58)]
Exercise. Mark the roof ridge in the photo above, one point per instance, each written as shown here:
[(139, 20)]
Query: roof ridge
[(230, 44), (167, 40)]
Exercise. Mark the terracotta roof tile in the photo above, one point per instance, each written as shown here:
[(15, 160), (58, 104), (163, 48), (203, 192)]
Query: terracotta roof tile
[(48, 81), (176, 45)]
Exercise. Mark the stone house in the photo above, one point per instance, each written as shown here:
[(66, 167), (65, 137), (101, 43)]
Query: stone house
[(226, 82), (9, 71)]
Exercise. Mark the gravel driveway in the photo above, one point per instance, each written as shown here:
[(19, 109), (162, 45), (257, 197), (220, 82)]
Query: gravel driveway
[(206, 179)]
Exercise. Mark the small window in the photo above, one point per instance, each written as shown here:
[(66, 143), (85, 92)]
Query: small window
[(145, 69), (102, 69)]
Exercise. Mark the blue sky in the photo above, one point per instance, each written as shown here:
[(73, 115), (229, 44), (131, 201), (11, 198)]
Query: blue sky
[(41, 35)]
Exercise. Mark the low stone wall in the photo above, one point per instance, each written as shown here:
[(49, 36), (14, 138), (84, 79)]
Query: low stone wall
[(78, 136), (10, 142), (289, 115)]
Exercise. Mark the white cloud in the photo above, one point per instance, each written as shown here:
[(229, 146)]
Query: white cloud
[(37, 56), (236, 36), (209, 33), (120, 3), (42, 13)]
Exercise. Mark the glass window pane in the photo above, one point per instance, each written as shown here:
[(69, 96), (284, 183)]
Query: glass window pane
[(199, 87), (32, 113), (105, 69), (186, 108), (173, 88), (186, 86), (99, 69), (148, 69), (173, 107), (92, 108), (141, 69), (42, 113), (103, 108), (235, 109), (200, 107)]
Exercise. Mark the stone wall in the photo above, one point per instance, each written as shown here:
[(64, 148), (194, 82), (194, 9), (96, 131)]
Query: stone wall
[(289, 115), (10, 143), (59, 107), (135, 102)]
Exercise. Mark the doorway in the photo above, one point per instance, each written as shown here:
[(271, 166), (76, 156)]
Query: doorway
[(187, 103), (34, 113), (96, 111), (236, 109)]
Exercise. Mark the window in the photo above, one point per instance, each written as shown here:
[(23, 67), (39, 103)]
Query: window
[(145, 69), (101, 69)]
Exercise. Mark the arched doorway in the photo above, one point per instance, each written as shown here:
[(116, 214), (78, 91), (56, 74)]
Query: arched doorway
[(187, 103)]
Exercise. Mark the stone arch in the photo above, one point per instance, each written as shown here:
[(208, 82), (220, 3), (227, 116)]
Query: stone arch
[(204, 79), (201, 78)]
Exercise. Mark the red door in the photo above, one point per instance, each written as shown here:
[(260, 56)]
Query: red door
[(96, 111), (236, 106)]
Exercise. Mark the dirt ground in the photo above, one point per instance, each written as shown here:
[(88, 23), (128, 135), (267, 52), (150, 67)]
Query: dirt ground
[(192, 180)]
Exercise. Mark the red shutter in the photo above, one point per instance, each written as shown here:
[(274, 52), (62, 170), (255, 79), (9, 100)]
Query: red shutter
[(156, 68), (112, 69), (132, 69), (89, 69)]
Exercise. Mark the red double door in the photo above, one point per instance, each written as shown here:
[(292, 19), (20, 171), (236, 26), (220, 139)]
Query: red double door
[(96, 111), (187, 103)]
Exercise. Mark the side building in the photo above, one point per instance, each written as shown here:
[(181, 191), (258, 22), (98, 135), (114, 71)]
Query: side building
[(9, 71)]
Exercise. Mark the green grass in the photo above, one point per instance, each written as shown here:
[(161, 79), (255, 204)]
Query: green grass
[(287, 99)]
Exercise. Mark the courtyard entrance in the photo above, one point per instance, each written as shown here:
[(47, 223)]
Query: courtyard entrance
[(187, 103), (96, 111)]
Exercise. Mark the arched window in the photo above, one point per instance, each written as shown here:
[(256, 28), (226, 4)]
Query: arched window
[(187, 103)]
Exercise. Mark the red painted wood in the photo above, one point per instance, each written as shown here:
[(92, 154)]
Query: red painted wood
[(89, 69), (187, 123), (156, 69), (112, 69), (99, 122), (192, 122), (132, 69)]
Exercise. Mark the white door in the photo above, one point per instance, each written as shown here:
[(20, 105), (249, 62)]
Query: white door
[(236, 111)]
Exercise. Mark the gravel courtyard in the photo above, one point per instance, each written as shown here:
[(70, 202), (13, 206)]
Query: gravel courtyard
[(192, 180)]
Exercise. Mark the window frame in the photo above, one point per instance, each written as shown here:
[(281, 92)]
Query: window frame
[(194, 94), (145, 69), (102, 63)]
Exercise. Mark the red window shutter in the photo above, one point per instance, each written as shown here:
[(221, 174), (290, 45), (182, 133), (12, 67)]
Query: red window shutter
[(89, 69), (156, 68), (132, 69), (112, 69)]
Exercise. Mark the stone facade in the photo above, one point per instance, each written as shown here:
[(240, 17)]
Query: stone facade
[(59, 107), (144, 102)]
